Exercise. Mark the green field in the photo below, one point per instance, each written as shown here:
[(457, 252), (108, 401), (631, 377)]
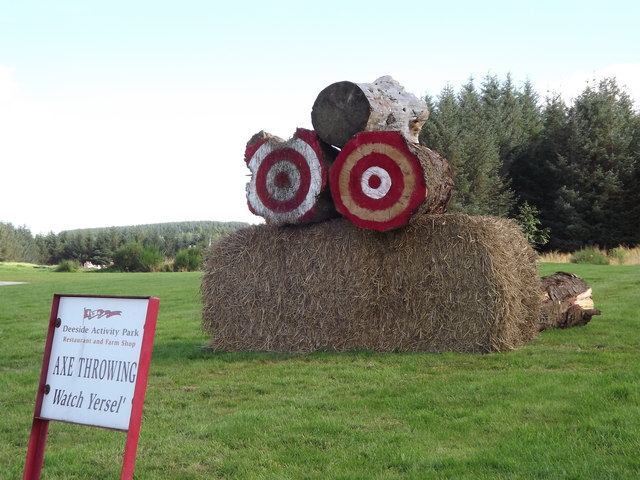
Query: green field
[(564, 407)]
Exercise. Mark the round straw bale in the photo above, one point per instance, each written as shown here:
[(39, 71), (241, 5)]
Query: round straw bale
[(448, 282)]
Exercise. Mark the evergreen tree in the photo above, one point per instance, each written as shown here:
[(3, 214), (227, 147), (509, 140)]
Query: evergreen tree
[(458, 129), (531, 116), (17, 244), (539, 169), (631, 199), (599, 162)]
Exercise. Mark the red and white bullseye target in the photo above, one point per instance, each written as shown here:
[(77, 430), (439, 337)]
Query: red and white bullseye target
[(287, 177), (377, 182)]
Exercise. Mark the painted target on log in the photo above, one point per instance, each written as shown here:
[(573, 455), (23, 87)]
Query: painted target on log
[(287, 177), (377, 182)]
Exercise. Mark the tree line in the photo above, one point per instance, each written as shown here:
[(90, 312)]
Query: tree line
[(18, 245), (575, 168), (568, 173), (103, 246)]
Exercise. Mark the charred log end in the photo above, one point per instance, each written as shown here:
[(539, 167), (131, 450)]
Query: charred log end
[(340, 111)]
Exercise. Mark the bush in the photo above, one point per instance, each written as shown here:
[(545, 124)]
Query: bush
[(167, 266), (133, 257), (619, 254), (590, 255), (529, 219), (67, 266), (188, 260), (152, 259)]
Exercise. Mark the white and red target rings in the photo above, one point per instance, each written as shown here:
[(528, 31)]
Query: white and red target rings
[(377, 182), (287, 177)]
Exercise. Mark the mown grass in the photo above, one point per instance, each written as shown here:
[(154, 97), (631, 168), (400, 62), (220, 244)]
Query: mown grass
[(563, 407)]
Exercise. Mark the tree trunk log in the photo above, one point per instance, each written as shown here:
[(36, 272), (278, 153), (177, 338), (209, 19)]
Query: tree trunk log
[(346, 108), (289, 179), (566, 302), (380, 181)]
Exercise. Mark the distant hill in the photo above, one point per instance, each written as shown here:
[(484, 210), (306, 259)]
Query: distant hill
[(97, 245), (204, 225)]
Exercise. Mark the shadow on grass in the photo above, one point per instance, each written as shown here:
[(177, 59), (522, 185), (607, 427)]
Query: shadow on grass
[(189, 350)]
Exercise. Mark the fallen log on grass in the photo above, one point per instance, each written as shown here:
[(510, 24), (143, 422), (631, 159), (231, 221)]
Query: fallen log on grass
[(345, 108), (566, 302)]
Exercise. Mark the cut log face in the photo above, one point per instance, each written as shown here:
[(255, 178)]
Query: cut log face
[(289, 179), (379, 181), (566, 302), (345, 108)]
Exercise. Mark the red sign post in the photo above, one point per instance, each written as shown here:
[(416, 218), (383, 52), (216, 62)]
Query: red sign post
[(94, 370)]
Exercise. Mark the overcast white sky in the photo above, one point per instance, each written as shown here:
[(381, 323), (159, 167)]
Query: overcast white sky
[(118, 113)]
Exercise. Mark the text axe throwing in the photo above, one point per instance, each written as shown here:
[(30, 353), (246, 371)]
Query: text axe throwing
[(289, 179), (94, 370), (345, 108), (380, 180)]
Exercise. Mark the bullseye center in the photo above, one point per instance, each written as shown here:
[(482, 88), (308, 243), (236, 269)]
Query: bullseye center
[(374, 181), (282, 180)]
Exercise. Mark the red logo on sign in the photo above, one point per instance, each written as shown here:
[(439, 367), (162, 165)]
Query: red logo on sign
[(89, 314)]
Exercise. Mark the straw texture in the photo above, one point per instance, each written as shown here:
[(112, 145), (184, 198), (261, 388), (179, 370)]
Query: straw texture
[(448, 282)]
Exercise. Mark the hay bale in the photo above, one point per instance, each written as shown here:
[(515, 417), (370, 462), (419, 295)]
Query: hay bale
[(446, 282)]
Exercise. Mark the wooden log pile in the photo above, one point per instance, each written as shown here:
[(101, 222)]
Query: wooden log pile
[(396, 272), (379, 180)]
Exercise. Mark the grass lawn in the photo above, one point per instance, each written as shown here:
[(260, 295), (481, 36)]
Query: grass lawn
[(564, 407)]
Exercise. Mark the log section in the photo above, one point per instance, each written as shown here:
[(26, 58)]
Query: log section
[(345, 108), (289, 179), (380, 181)]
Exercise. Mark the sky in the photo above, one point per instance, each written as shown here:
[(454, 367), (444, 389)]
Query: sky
[(129, 112)]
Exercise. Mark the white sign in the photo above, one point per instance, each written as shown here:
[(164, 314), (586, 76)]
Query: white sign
[(94, 361)]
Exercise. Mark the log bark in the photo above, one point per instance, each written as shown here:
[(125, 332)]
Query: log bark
[(566, 302), (345, 108), (380, 181), (289, 179), (438, 178)]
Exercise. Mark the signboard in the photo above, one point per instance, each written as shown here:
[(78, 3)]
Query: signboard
[(94, 370), (94, 361)]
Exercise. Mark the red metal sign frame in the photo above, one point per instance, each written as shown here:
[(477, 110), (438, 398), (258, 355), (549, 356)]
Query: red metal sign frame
[(40, 427)]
